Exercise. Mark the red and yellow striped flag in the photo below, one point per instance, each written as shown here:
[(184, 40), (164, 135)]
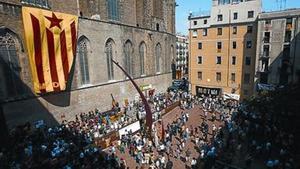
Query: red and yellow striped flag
[(51, 43)]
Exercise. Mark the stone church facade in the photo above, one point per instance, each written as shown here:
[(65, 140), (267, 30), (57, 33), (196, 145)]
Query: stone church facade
[(139, 34)]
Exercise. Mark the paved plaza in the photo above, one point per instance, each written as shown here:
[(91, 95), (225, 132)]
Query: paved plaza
[(196, 116)]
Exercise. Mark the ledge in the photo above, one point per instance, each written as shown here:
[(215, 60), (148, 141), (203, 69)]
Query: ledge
[(126, 25), (84, 87)]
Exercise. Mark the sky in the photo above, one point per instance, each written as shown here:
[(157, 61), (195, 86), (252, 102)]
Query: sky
[(203, 6)]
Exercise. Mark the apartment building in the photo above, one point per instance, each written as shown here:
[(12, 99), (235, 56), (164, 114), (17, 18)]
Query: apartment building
[(182, 52), (223, 48), (278, 48)]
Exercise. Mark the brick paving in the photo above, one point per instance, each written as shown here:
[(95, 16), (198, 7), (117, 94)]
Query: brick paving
[(196, 115)]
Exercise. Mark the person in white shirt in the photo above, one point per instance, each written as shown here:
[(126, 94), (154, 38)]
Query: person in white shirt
[(187, 116), (202, 154), (157, 163), (162, 161), (197, 140), (162, 147), (116, 124), (193, 163)]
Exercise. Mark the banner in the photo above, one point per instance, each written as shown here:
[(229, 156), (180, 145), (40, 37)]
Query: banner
[(51, 43), (133, 127), (231, 96), (266, 87), (207, 91)]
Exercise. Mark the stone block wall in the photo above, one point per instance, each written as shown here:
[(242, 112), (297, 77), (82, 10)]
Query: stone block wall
[(51, 107)]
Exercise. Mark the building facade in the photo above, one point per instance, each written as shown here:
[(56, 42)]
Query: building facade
[(223, 48), (278, 54), (139, 34), (182, 54)]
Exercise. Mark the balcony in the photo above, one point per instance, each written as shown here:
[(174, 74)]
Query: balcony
[(262, 69), (288, 36), (263, 66), (264, 55), (200, 14), (266, 39), (287, 40)]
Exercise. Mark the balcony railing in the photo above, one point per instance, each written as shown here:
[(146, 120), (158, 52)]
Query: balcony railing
[(262, 69), (199, 14), (266, 40), (263, 66), (287, 38), (265, 55)]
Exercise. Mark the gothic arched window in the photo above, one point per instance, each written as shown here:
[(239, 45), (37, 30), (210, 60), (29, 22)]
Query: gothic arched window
[(109, 56), (142, 51), (158, 59), (128, 57), (10, 81), (83, 61)]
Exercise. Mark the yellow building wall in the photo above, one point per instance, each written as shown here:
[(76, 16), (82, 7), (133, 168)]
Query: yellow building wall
[(209, 53)]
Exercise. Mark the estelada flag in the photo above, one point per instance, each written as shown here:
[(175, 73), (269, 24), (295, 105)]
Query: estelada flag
[(51, 43)]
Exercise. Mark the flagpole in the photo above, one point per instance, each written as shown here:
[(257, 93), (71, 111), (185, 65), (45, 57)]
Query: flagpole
[(145, 102)]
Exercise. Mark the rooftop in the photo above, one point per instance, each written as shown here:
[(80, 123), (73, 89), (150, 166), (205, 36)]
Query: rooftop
[(199, 14), (280, 13)]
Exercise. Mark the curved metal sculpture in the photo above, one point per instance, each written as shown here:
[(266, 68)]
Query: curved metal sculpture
[(147, 107)]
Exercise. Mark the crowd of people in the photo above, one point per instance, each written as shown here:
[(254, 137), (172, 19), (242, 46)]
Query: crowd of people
[(252, 136), (63, 146), (158, 103), (257, 136), (71, 144), (249, 132), (155, 152)]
